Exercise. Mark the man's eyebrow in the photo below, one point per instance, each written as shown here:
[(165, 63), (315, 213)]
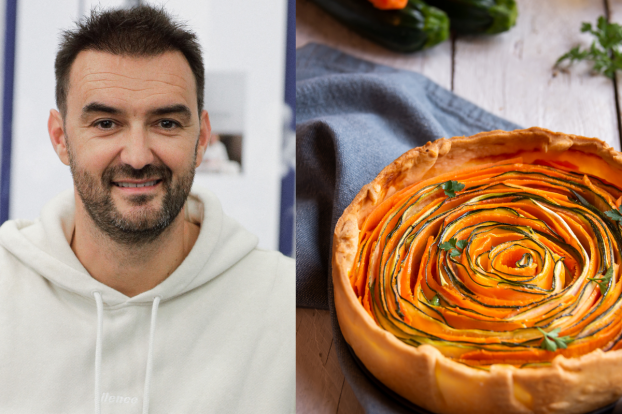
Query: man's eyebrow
[(99, 107), (180, 109)]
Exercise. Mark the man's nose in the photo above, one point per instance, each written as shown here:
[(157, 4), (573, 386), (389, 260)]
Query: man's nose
[(137, 151)]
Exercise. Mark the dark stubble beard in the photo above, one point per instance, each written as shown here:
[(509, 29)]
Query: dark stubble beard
[(136, 228)]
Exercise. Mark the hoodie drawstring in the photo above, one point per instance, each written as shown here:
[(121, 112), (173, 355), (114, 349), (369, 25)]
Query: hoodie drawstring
[(98, 351), (154, 314)]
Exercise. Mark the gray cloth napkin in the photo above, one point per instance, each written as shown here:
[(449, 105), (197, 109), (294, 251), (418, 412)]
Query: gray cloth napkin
[(352, 119)]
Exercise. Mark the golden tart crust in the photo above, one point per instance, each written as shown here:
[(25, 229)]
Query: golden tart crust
[(423, 374)]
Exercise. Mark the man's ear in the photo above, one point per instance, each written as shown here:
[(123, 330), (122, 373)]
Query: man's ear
[(204, 137), (57, 135)]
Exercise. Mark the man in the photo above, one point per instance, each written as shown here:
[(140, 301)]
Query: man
[(130, 294)]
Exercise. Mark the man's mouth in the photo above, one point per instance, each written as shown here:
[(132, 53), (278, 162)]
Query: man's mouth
[(130, 184)]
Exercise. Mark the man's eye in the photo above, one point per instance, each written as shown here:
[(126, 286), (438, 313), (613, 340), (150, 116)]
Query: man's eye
[(105, 124), (168, 124)]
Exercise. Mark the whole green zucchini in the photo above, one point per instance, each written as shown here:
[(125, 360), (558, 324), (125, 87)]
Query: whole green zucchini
[(478, 16), (417, 26)]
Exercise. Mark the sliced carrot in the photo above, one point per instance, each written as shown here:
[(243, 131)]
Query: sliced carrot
[(517, 248)]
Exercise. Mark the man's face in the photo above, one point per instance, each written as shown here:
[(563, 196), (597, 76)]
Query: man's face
[(133, 137)]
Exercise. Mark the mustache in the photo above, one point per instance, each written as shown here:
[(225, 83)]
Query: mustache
[(125, 171)]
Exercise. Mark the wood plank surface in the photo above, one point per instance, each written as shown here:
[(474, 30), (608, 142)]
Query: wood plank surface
[(512, 75), (320, 385), (348, 404), (615, 15)]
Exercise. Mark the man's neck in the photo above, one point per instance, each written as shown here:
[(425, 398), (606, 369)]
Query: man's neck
[(130, 269)]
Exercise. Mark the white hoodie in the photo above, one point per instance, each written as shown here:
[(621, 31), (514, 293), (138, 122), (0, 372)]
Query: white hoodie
[(217, 336)]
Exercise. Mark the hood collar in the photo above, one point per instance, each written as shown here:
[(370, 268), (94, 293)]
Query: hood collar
[(43, 245)]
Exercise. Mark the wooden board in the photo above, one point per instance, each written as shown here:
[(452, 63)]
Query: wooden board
[(512, 75), (615, 15), (320, 385)]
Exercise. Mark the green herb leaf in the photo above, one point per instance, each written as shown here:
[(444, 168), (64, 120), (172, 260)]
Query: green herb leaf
[(603, 282), (453, 247), (615, 214), (554, 332), (563, 342), (551, 341), (548, 344), (454, 252), (574, 54), (448, 245), (604, 52), (435, 301), (451, 187)]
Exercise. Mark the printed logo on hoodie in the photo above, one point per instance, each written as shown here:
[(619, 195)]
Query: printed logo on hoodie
[(118, 399)]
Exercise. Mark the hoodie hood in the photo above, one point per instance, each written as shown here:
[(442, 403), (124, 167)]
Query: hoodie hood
[(44, 246)]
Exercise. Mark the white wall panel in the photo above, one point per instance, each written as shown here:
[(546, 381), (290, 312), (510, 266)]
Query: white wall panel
[(36, 173), (249, 37)]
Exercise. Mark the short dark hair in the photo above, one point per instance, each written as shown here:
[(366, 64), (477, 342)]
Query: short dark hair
[(139, 31)]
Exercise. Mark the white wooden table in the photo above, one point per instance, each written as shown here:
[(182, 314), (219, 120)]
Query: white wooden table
[(510, 75)]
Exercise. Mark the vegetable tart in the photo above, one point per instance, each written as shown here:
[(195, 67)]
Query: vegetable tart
[(482, 274)]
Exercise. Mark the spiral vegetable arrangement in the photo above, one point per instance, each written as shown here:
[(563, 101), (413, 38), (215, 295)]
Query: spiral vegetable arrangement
[(507, 262)]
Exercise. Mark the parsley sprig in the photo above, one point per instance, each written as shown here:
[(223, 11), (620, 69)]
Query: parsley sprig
[(451, 187), (453, 247), (605, 54), (551, 341), (615, 215), (603, 282)]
